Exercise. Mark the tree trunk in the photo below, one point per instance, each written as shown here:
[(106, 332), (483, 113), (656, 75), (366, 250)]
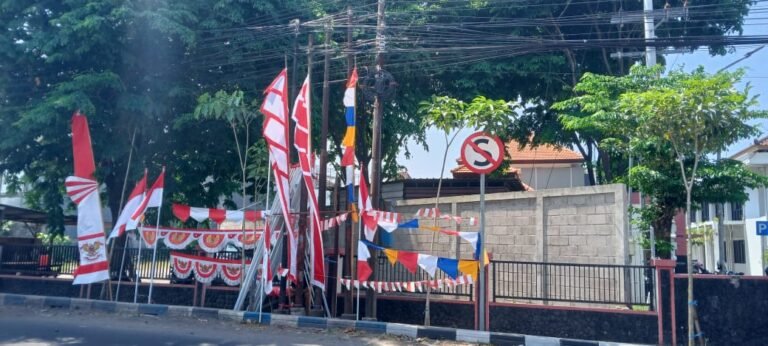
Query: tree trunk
[(662, 228)]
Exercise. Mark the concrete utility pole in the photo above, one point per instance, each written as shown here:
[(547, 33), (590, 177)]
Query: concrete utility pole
[(323, 175), (378, 110), (648, 24)]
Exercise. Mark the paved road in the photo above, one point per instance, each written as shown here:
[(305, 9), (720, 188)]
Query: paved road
[(24, 326)]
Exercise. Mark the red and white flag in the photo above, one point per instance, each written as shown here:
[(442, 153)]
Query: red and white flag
[(153, 199), (275, 132), (366, 210), (302, 142), (363, 268), (134, 201), (83, 189)]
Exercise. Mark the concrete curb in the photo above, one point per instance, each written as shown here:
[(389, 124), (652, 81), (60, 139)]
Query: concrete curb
[(291, 321)]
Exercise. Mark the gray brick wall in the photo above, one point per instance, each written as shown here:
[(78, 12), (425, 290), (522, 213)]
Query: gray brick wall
[(576, 225)]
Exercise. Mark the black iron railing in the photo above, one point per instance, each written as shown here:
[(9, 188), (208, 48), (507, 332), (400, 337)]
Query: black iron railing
[(387, 272), (567, 282), (63, 260)]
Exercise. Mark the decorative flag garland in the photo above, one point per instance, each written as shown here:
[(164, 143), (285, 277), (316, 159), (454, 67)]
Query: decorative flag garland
[(412, 260), (209, 240), (435, 212), (206, 269), (334, 221), (407, 286), (184, 212), (83, 189)]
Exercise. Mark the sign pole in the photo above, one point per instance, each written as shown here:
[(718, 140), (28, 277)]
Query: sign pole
[(481, 256)]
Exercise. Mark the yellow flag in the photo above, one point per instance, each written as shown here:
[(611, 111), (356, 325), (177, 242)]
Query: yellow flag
[(353, 208), (391, 255), (469, 267)]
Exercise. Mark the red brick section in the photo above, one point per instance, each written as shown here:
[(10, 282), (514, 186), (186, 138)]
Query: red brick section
[(669, 266)]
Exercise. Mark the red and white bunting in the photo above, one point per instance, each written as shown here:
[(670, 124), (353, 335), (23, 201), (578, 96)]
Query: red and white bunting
[(428, 212), (471, 221), (409, 286), (206, 269), (334, 221), (209, 240), (184, 212)]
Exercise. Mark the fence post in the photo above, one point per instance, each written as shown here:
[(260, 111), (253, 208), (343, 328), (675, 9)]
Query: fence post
[(669, 267)]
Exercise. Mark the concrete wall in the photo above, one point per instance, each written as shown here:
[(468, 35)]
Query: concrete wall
[(576, 225)]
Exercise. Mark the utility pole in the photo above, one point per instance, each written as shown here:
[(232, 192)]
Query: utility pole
[(648, 24), (323, 175), (378, 110), (347, 269)]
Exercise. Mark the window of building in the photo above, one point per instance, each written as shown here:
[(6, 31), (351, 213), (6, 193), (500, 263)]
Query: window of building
[(737, 212), (739, 253), (692, 216), (705, 212)]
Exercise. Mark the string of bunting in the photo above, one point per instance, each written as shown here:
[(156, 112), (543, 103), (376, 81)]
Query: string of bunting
[(435, 212), (209, 240), (407, 286), (207, 269), (412, 260), (184, 212), (335, 221)]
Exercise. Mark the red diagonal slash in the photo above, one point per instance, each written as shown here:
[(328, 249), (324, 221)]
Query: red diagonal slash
[(483, 153)]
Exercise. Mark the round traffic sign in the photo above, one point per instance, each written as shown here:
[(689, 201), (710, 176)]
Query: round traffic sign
[(482, 153)]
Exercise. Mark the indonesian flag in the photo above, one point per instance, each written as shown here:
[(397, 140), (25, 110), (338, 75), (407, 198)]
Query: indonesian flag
[(363, 268), (154, 199), (83, 189), (134, 201), (366, 210), (275, 132), (301, 140)]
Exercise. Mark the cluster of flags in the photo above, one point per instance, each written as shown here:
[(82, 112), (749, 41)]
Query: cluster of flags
[(139, 201)]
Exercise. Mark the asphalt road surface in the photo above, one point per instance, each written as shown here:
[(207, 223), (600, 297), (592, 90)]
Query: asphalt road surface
[(26, 326)]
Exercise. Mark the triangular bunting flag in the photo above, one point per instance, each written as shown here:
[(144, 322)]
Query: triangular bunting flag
[(468, 267), (409, 260), (449, 266), (391, 255)]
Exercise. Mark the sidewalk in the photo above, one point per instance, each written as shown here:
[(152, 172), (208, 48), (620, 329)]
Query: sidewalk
[(397, 329)]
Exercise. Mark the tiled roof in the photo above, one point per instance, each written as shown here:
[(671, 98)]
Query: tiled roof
[(541, 154), (544, 153)]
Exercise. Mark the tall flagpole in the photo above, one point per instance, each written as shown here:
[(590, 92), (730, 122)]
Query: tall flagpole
[(122, 198), (359, 230), (157, 243), (154, 253), (138, 263), (266, 226)]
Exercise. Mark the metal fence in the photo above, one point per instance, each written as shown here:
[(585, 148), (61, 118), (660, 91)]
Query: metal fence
[(509, 280), (63, 260), (387, 272), (577, 283)]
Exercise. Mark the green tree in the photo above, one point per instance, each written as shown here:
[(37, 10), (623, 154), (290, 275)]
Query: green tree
[(698, 114)]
